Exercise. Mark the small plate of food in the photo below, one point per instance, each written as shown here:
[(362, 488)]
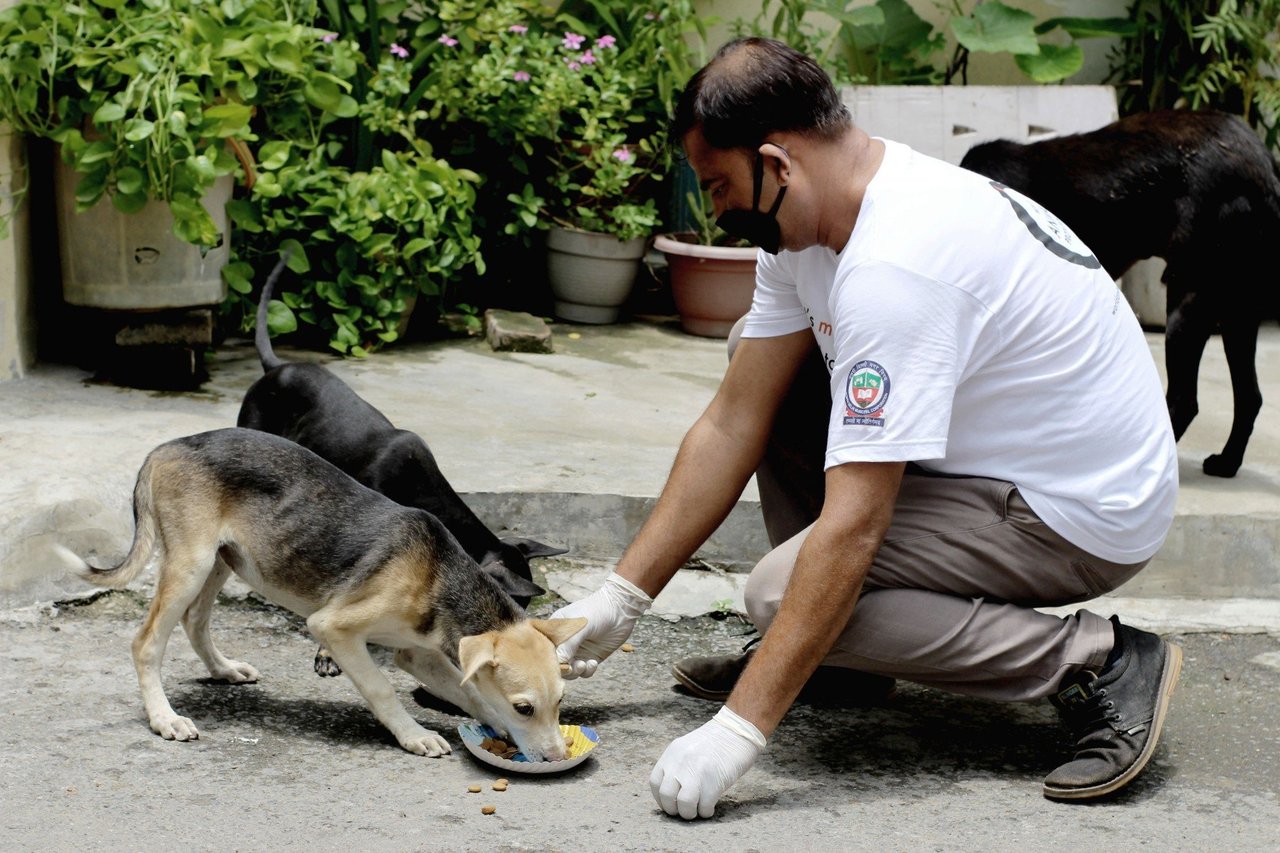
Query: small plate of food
[(485, 744)]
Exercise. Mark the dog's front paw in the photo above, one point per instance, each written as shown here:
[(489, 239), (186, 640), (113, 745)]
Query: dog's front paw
[(237, 672), (325, 665), (175, 728), (1218, 465), (425, 742)]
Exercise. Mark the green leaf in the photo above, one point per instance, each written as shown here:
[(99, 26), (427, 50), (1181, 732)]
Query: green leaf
[(129, 180), (997, 28), (1052, 64), (273, 155), (237, 276), (226, 119), (298, 258), (90, 189), (245, 215), (138, 129), (107, 113), (414, 246), (280, 319), (1084, 28), (347, 107), (129, 202), (285, 57), (860, 16), (323, 93)]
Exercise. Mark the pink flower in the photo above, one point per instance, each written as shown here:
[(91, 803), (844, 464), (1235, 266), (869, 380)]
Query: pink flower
[(522, 77), (587, 58), (606, 41), (622, 155), (649, 16), (518, 28), (447, 41), (573, 66), (329, 38), (398, 51), (573, 41)]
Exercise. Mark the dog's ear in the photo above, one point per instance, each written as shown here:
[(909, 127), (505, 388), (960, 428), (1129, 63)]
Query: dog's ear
[(511, 583), (532, 548), (474, 652), (559, 630)]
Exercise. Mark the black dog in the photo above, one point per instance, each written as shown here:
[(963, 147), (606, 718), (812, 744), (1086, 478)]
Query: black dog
[(1198, 189), (310, 406)]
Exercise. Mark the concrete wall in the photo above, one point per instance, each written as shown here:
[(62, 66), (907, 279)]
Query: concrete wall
[(17, 305)]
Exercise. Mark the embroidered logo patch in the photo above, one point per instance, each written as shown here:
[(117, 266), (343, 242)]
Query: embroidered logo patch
[(865, 394)]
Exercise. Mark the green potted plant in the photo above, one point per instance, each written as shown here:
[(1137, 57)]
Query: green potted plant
[(150, 104), (712, 275), (580, 110), (898, 71), (372, 237)]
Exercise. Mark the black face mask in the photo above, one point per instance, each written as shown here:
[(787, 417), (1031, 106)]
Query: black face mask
[(756, 226)]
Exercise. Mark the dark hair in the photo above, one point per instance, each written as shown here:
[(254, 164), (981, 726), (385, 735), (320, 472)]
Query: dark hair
[(753, 87)]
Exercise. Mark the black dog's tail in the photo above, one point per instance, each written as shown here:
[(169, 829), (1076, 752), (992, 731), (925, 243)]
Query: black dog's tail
[(261, 334)]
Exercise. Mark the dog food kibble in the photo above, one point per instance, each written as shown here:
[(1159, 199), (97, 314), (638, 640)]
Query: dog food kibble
[(473, 789), (627, 647), (500, 748), (564, 667), (499, 786), (488, 809)]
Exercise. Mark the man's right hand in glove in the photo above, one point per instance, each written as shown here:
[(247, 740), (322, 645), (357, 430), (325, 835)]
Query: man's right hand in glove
[(611, 613)]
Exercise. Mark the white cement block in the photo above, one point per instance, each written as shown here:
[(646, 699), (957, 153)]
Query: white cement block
[(946, 121)]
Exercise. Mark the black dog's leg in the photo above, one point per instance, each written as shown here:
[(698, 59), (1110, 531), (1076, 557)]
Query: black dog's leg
[(1240, 342), (1187, 329), (325, 665)]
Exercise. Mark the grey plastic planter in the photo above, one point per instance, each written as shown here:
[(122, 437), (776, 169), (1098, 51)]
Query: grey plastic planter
[(591, 274), (132, 262)]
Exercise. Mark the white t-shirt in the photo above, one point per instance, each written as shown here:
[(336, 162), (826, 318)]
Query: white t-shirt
[(969, 330)]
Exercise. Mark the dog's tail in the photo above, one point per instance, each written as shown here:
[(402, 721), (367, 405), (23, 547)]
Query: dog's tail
[(140, 553), (261, 334)]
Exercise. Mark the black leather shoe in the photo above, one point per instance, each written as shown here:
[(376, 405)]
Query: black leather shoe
[(713, 677), (1115, 716)]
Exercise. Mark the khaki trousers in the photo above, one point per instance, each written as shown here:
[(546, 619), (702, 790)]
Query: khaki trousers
[(949, 598)]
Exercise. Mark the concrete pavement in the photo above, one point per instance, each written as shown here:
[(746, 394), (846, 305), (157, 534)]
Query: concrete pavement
[(571, 448)]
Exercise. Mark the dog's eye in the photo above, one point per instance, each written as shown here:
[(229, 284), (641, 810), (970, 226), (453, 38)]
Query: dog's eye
[(524, 709)]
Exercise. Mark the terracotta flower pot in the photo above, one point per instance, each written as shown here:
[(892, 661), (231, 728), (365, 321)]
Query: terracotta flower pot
[(591, 274), (711, 285)]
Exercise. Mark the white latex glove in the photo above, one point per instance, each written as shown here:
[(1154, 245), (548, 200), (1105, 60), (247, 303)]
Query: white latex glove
[(697, 769), (611, 612)]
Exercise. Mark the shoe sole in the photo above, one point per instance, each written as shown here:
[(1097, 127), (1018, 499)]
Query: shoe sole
[(1168, 681), (690, 685)]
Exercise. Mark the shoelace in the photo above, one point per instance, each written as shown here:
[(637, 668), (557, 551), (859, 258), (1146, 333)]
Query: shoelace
[(1095, 711)]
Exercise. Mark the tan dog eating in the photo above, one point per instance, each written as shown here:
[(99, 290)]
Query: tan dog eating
[(361, 569)]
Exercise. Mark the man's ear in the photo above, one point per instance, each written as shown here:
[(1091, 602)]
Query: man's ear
[(474, 652), (778, 158)]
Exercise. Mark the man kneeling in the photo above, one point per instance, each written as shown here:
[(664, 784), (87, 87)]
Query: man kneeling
[(906, 311)]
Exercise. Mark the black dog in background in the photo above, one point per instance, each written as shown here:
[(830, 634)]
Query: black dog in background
[(310, 406), (1201, 191)]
